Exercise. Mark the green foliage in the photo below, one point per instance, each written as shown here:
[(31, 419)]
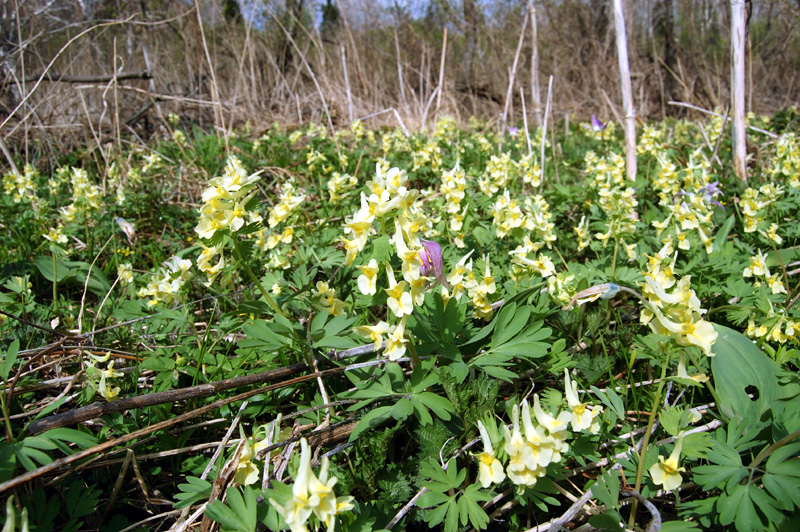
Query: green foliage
[(462, 507), (287, 296), (239, 513)]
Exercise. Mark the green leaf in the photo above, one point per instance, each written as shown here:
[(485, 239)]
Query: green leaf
[(9, 359), (678, 526), (471, 510), (738, 365), (726, 467), (432, 498), (739, 507), (440, 405), (430, 468), (45, 265), (509, 323), (239, 514), (402, 409), (723, 232), (374, 418), (610, 520), (259, 334), (611, 400), (159, 364), (606, 489)]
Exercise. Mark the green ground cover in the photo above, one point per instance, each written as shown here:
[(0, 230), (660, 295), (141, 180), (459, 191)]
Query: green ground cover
[(296, 328)]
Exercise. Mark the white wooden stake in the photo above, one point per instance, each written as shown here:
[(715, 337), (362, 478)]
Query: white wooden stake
[(347, 87), (627, 93), (537, 99), (441, 72), (737, 88), (510, 91)]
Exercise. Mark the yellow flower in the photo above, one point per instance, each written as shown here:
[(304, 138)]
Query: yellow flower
[(396, 343), (683, 374), (367, 279), (581, 416), (108, 393), (311, 495), (374, 332), (667, 473), (399, 302), (490, 470), (700, 332), (55, 235)]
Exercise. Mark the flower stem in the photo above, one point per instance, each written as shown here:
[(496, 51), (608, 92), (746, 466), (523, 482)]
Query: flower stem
[(646, 441), (55, 285), (271, 302), (614, 269)]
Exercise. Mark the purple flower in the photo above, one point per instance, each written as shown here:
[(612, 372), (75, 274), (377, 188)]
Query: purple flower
[(513, 131), (431, 258), (597, 125), (710, 193)]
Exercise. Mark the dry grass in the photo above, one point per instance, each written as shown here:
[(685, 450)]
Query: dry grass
[(230, 72)]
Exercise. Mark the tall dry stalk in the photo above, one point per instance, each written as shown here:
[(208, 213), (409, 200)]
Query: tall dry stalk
[(513, 74), (536, 97), (627, 93), (737, 88), (441, 73)]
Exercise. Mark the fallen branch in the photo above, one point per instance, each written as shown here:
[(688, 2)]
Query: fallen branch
[(102, 78)]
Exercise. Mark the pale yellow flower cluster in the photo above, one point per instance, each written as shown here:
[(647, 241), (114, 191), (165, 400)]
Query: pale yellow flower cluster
[(339, 185), (388, 193), (152, 161), (582, 231), (102, 385), (620, 207), (327, 298), (529, 169), (667, 181), (165, 286), (224, 201), (56, 235), (506, 214), (561, 288), (21, 185), (538, 441), (446, 129), (677, 314), (85, 196), (428, 154), (649, 141), (691, 214), (760, 271), (786, 163), (454, 190), (522, 265), (776, 327), (357, 128), (288, 203), (125, 273), (479, 290), (498, 174), (617, 201), (753, 203), (247, 471), (312, 495), (606, 171), (395, 141), (318, 162)]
